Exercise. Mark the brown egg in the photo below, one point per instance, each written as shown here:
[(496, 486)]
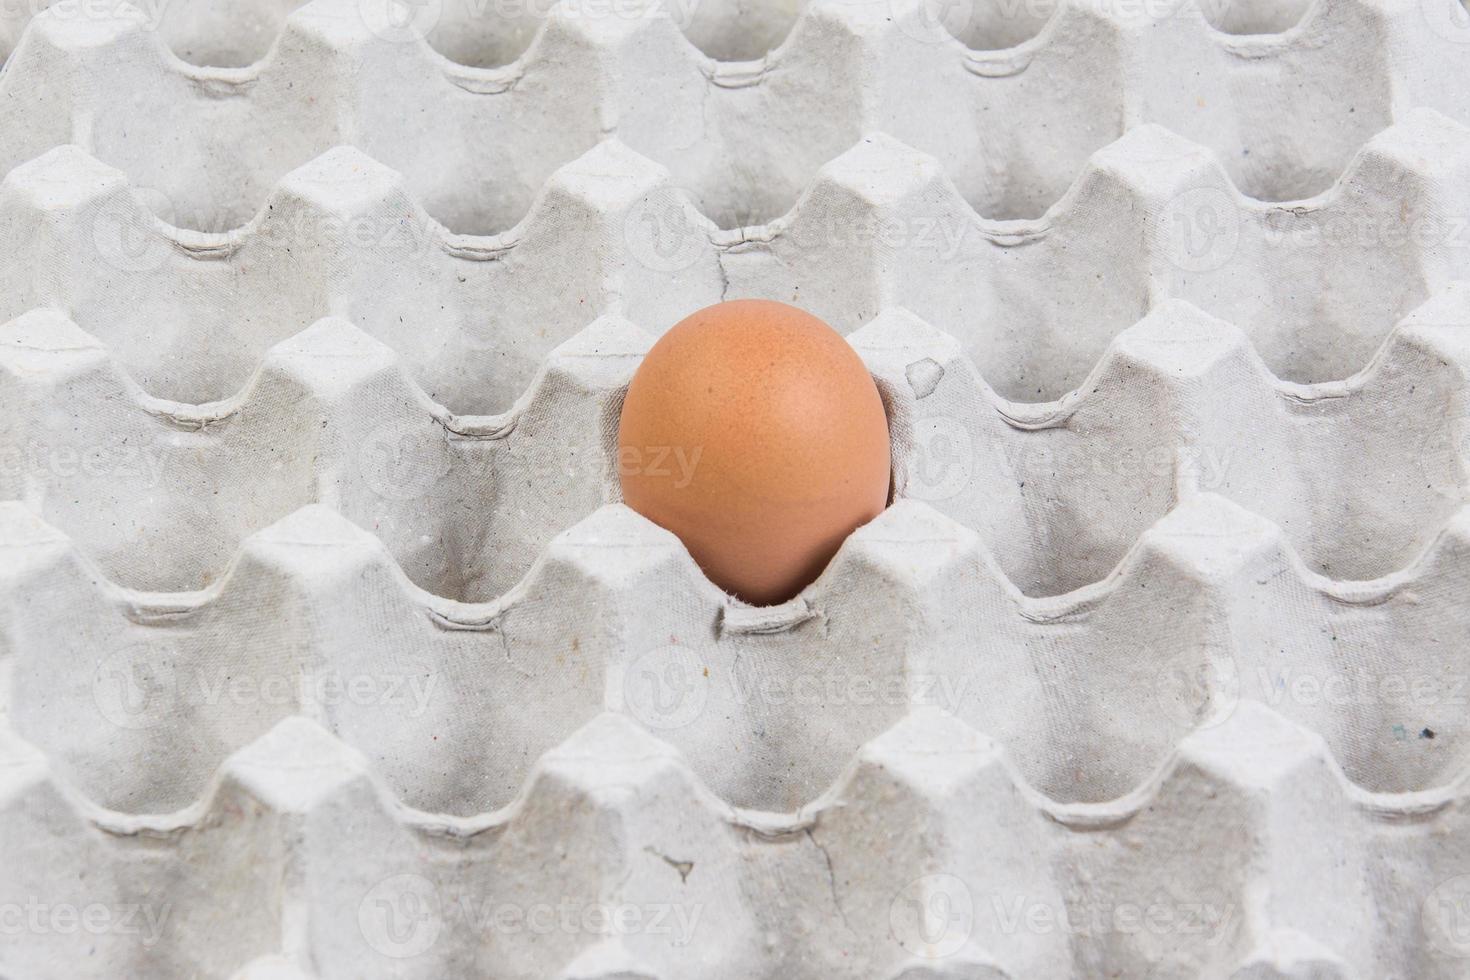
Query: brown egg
[(753, 431)]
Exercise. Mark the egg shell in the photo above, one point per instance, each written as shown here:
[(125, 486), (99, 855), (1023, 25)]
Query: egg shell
[(755, 433)]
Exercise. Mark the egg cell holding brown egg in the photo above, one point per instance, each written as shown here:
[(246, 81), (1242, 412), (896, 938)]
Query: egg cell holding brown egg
[(754, 432)]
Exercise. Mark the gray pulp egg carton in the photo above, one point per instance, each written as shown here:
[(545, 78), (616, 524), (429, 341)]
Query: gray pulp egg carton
[(327, 649)]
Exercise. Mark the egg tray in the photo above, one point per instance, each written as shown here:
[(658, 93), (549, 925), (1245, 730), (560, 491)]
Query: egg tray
[(298, 846), (327, 650), (1143, 760), (1035, 303), (1058, 491), (1012, 125), (163, 493), (616, 653), (916, 585)]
